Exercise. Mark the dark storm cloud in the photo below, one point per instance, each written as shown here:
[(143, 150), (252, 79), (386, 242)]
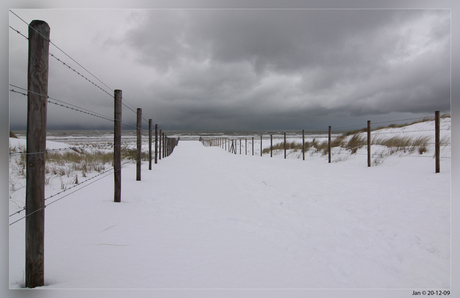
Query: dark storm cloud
[(254, 68), (270, 62)]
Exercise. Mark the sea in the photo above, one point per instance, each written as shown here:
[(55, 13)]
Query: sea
[(106, 136)]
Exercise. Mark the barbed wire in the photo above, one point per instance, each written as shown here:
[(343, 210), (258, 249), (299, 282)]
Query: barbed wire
[(374, 133), (74, 70), (71, 148), (65, 190), (61, 103), (380, 122), (47, 150), (124, 102), (407, 119), (65, 64), (57, 47), (17, 31)]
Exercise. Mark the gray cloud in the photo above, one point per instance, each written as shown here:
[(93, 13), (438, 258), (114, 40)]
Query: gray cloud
[(269, 68)]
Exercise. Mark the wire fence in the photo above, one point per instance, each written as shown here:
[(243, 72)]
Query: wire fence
[(397, 138), (163, 144)]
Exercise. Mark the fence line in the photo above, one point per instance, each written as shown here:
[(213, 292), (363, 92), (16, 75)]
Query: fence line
[(63, 191), (371, 138), (125, 103), (37, 94), (165, 145), (52, 43), (67, 189)]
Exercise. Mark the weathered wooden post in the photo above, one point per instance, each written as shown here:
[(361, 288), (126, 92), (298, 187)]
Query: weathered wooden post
[(246, 146), (164, 144), (252, 146), (271, 145), (303, 144), (160, 144), (368, 143), (329, 145), (37, 83), (117, 146), (437, 142), (156, 143), (285, 145), (139, 144), (150, 144)]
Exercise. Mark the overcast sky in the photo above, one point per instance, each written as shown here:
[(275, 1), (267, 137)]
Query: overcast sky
[(241, 69)]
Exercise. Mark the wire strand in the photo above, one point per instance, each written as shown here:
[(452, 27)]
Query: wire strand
[(17, 31), (66, 195), (62, 103), (57, 47), (74, 70)]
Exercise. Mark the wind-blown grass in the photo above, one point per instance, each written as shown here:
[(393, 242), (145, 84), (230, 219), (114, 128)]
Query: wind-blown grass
[(85, 161), (356, 139), (295, 146), (405, 144)]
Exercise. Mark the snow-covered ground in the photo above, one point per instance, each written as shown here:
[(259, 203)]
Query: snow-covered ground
[(204, 218)]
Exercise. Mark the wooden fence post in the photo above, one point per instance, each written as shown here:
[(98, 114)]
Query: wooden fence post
[(150, 144), (37, 84), (160, 144), (117, 146), (139, 144), (163, 136), (156, 143), (246, 146), (329, 145), (369, 143), (437, 142), (252, 146), (271, 145), (285, 145), (303, 144)]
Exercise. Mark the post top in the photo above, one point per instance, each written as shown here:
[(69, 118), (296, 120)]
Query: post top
[(38, 23)]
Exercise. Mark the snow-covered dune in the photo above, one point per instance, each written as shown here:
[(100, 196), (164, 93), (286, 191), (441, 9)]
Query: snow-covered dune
[(204, 218)]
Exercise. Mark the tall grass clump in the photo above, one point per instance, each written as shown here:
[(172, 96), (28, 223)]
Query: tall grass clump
[(65, 163), (404, 144), (319, 146), (131, 154), (355, 142)]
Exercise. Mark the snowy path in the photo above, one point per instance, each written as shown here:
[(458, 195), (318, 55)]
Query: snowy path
[(204, 218)]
